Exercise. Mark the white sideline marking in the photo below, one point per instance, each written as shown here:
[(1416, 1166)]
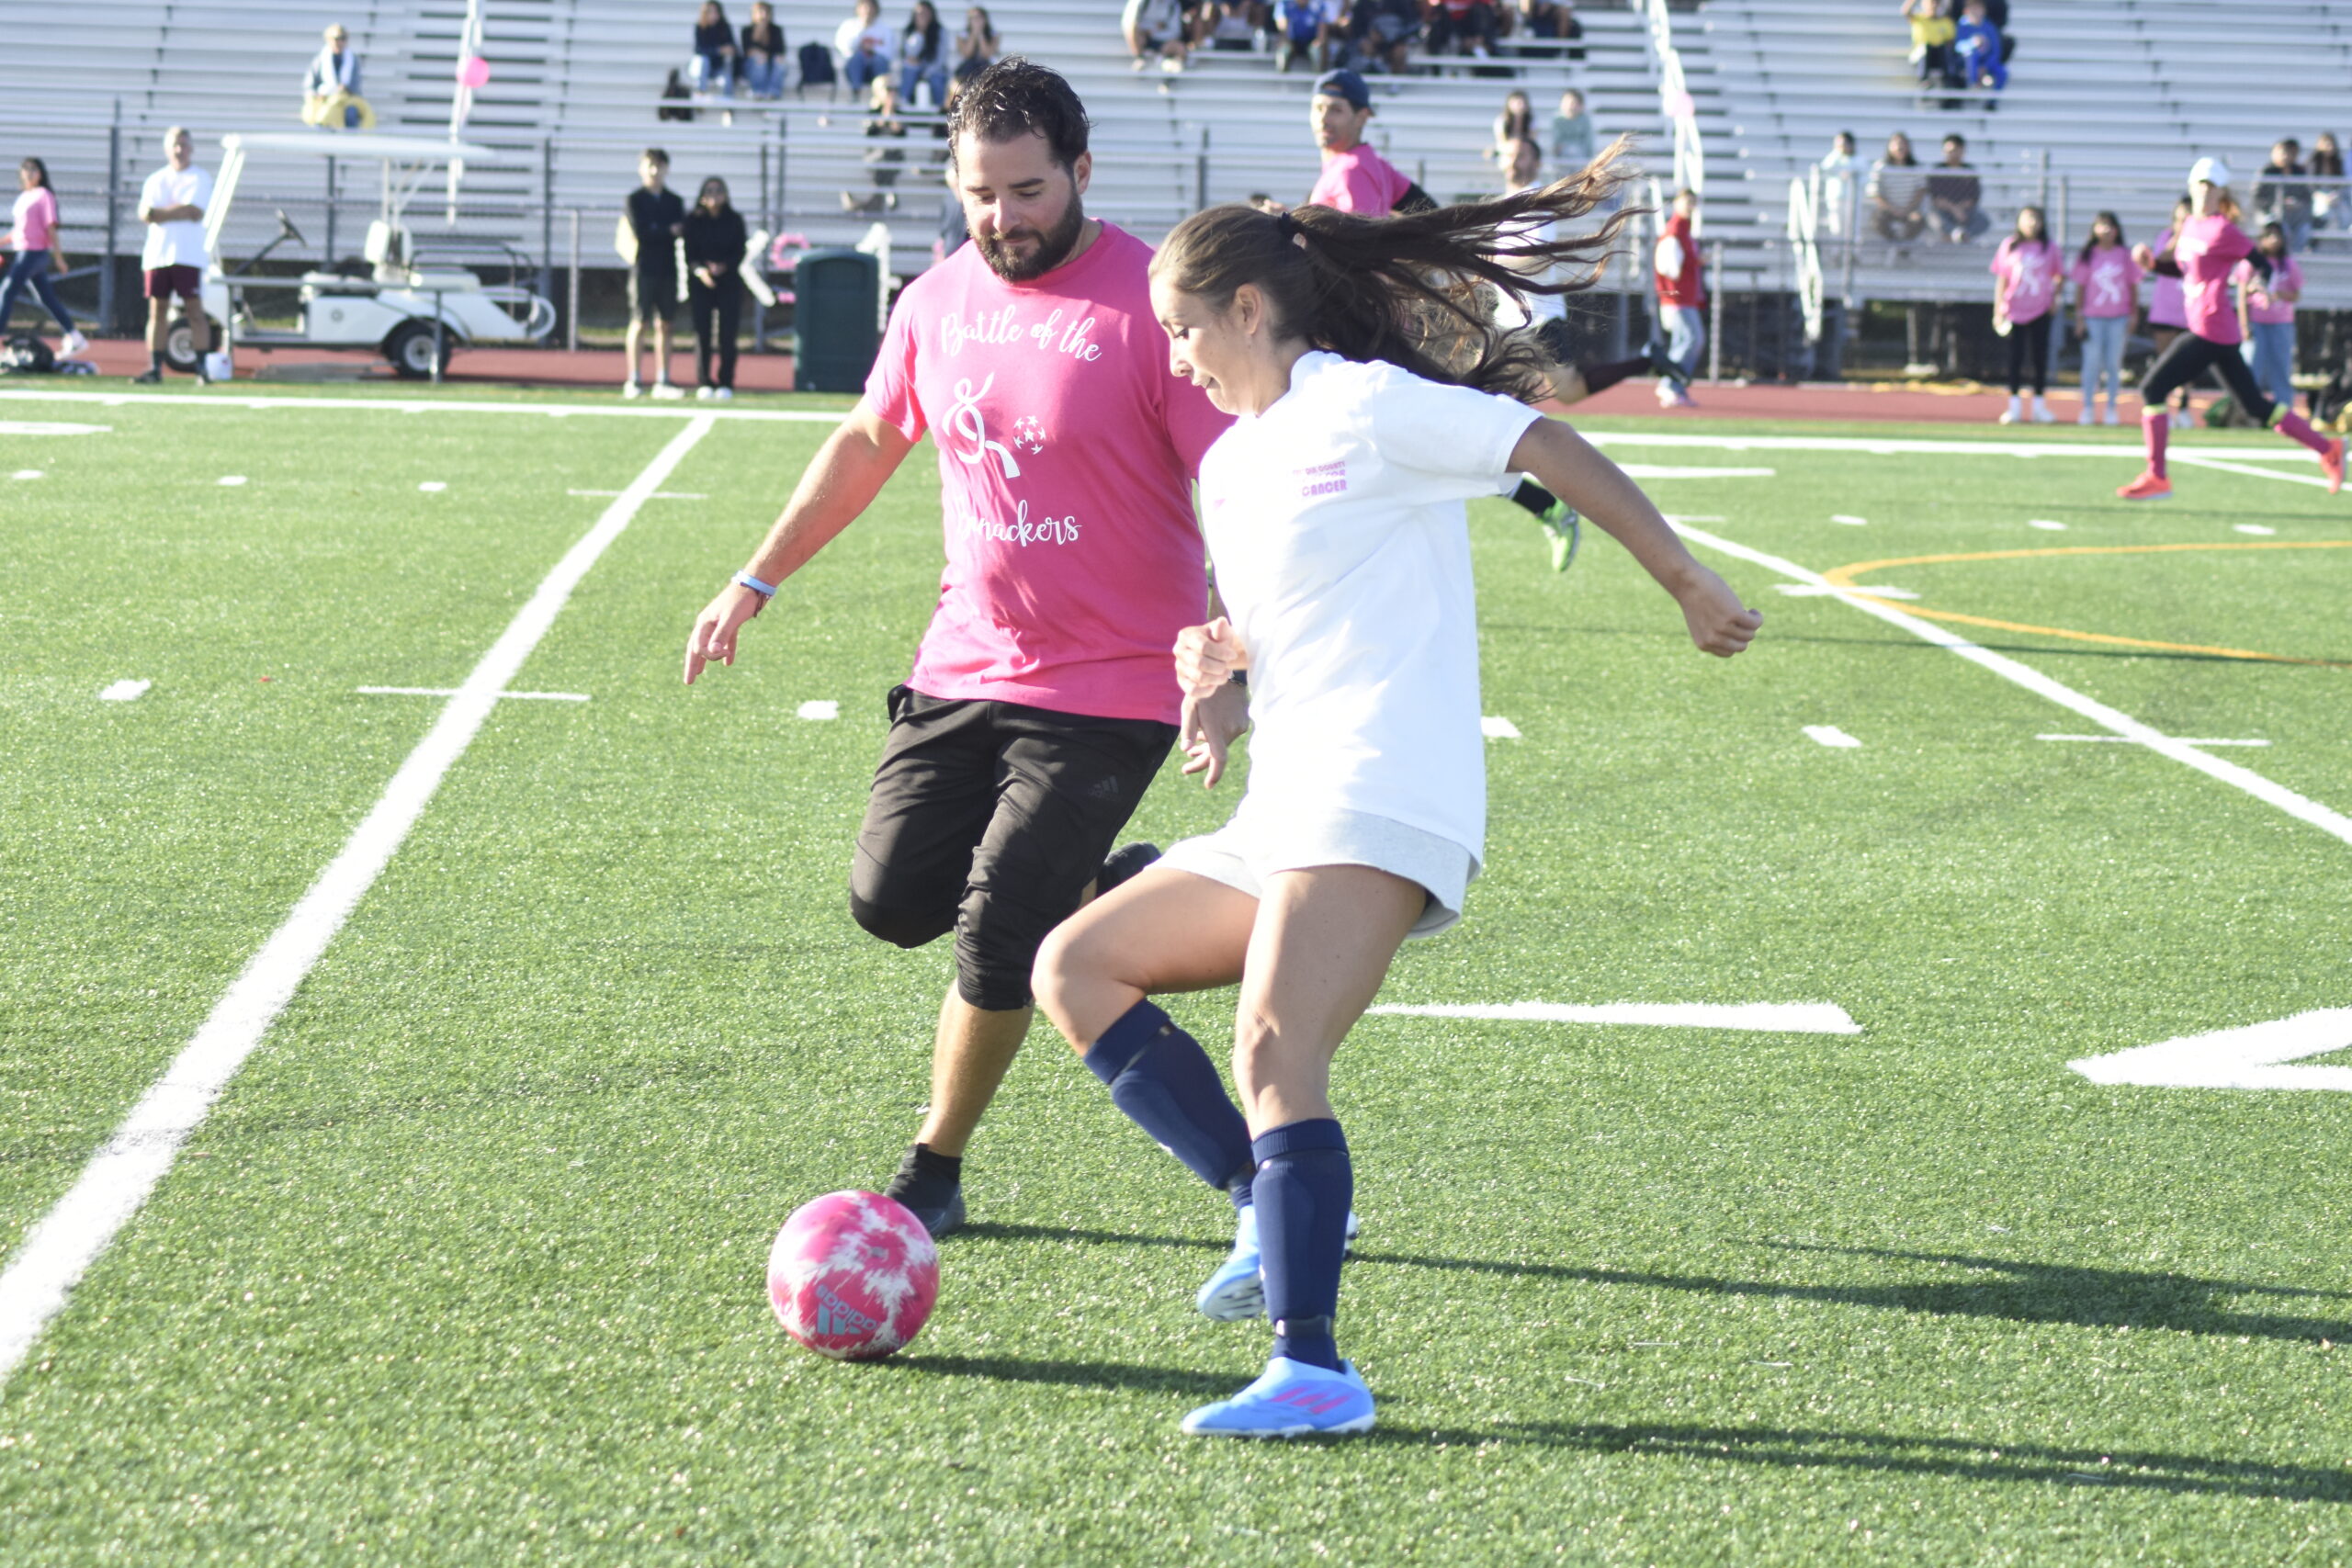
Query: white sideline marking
[(1850, 519), (2046, 526), (2125, 740), (27, 474), (1494, 727), (43, 427), (2256, 529), (2247, 1057), (2198, 460), (452, 691), (1771, 1018), (1807, 591), (116, 1183), (820, 708), (1899, 447), (125, 691), (2302, 808), (454, 405), (661, 495), (232, 480), (1656, 472), (1830, 735), (1672, 517), (432, 486)]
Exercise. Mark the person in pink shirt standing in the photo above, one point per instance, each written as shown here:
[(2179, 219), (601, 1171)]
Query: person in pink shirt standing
[(2107, 295), (2030, 270), (2267, 312), (34, 241), (1355, 178), (2168, 315), (2203, 256), (1040, 705)]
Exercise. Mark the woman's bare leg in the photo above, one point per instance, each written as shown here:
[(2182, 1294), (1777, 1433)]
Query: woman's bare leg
[(1164, 931)]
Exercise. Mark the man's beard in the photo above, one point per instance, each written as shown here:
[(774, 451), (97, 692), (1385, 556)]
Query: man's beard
[(1053, 246)]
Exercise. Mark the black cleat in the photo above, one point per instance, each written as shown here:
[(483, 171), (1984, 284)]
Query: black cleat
[(148, 377), (932, 1197), (1666, 366), (1123, 865)]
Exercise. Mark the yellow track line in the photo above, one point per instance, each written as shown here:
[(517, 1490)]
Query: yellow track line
[(1843, 576)]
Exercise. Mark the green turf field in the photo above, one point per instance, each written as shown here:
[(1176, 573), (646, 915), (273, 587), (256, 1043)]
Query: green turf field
[(466, 1264)]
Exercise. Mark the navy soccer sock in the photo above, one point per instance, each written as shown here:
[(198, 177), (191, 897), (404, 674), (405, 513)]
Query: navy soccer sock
[(1600, 377), (1160, 1076), (1306, 1184)]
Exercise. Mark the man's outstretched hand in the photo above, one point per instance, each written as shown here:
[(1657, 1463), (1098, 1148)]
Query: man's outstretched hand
[(713, 641)]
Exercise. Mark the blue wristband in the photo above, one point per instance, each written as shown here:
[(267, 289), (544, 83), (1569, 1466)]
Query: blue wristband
[(765, 590)]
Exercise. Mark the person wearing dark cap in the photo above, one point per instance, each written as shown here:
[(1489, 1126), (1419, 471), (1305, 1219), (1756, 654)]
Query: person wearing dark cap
[(1355, 178)]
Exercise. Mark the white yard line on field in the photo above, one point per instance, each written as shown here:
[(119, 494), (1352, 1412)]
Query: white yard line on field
[(1773, 1017), (1829, 735), (452, 691), (2124, 724), (2196, 459), (405, 405), (117, 1181)]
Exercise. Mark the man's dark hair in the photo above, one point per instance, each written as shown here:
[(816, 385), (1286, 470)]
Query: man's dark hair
[(1954, 139), (1016, 98), (655, 156)]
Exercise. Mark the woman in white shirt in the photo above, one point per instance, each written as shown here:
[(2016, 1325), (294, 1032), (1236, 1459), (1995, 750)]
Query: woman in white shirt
[(1333, 510)]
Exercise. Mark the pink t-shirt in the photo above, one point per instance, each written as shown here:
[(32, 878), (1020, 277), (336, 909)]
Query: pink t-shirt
[(1360, 181), (2208, 250), (2028, 271), (2260, 304), (1067, 450), (2110, 282), (36, 215), (2166, 307)]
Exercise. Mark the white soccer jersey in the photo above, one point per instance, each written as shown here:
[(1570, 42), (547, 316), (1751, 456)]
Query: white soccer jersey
[(1335, 519)]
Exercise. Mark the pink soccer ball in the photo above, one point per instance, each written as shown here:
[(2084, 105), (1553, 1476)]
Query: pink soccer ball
[(853, 1275)]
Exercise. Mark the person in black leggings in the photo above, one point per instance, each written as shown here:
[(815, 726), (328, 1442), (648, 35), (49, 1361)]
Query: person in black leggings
[(715, 247), (2026, 300)]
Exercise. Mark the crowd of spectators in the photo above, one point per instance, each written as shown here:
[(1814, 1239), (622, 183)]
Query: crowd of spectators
[(925, 63), (1960, 44), (1359, 35)]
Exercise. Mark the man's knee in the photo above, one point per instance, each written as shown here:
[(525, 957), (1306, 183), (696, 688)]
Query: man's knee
[(900, 928), (997, 944)]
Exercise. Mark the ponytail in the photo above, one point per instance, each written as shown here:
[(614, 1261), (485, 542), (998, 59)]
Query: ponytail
[(1406, 288)]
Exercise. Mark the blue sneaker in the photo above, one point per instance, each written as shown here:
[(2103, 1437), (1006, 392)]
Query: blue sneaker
[(1237, 1289), (1292, 1400)]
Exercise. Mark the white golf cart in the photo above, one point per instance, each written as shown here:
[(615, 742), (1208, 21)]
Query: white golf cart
[(415, 313)]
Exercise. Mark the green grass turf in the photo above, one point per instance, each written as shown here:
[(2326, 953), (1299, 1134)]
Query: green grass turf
[(466, 1266)]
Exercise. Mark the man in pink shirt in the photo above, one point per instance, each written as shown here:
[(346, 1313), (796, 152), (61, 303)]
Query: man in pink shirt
[(1354, 178), (1042, 700)]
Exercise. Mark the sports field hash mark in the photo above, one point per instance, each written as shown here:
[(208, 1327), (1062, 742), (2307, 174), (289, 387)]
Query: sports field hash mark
[(26, 474), (1494, 727), (229, 481), (821, 709), (433, 487), (2046, 526), (2253, 1056), (2256, 529), (125, 691), (1763, 1017), (1831, 736), (1850, 519), (49, 427)]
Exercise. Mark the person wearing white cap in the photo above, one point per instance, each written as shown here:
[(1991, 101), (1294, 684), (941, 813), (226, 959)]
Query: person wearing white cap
[(2205, 251)]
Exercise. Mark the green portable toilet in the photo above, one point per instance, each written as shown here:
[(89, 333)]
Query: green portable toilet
[(836, 320)]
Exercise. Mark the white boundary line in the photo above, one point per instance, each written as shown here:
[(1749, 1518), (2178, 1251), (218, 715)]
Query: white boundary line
[(121, 1174), (423, 405), (2197, 459), (1771, 1018), (2182, 751)]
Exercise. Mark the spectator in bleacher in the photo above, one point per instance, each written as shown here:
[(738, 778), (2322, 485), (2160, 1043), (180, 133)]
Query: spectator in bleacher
[(1933, 28), (2030, 270), (2107, 298), (1355, 178), (761, 50), (883, 127), (2331, 199), (1681, 276), (714, 61), (676, 98), (172, 205), (1955, 195), (35, 254), (715, 246), (923, 56), (977, 48), (2266, 313), (1514, 126), (2282, 193), (2168, 309), (1383, 32), (1897, 192), (653, 219), (331, 87), (864, 44), (1312, 28), (1230, 26), (1548, 19), (1157, 29), (1461, 26), (1837, 168), (1976, 50), (1568, 139)]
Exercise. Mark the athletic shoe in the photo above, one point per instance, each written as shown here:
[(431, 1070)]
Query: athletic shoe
[(2042, 414), (1122, 864), (2112, 416), (702, 394), (1291, 1399), (1141, 62), (938, 1204), (73, 342), (1666, 364), (631, 390), (1237, 1289), (2149, 486), (724, 395), (149, 378), (2184, 419), (664, 392), (2013, 413), (2088, 416), (2331, 463), (1565, 531)]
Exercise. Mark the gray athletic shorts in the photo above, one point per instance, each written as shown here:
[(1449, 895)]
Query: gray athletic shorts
[(1252, 847)]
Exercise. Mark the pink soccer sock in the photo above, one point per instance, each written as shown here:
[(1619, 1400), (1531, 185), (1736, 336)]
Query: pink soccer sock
[(2155, 423), (2295, 428)]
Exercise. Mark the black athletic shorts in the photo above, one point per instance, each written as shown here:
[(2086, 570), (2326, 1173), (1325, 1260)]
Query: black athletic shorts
[(2188, 355), (988, 819), (652, 294)]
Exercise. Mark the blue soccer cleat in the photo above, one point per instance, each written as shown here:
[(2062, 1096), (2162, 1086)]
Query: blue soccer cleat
[(1237, 1289), (1293, 1399)]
